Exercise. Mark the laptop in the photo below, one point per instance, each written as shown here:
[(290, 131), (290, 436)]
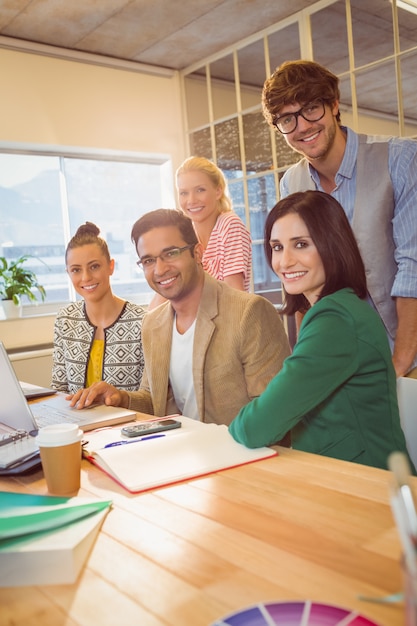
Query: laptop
[(16, 413), (35, 391)]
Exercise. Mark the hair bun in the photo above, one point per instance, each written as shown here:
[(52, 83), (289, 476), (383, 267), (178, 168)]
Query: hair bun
[(88, 228)]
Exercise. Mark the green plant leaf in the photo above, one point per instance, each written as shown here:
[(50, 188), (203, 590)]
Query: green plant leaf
[(17, 281)]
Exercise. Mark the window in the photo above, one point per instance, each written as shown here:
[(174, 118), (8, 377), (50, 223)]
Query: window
[(44, 198), (356, 39)]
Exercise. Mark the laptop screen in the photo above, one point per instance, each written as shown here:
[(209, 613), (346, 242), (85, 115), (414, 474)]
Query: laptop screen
[(14, 409)]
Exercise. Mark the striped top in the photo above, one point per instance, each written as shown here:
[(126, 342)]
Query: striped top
[(229, 249)]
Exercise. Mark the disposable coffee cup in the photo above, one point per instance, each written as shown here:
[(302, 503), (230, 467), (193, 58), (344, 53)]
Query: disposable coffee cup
[(60, 450)]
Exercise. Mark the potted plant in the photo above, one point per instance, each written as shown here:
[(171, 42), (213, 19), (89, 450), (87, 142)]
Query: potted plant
[(17, 281)]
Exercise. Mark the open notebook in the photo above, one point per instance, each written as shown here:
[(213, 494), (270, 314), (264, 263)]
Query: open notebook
[(193, 450)]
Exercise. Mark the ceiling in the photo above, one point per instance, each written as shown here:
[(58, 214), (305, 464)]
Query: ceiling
[(168, 33), (176, 34)]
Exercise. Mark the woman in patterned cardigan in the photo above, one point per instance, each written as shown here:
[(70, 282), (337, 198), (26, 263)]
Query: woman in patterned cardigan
[(99, 337)]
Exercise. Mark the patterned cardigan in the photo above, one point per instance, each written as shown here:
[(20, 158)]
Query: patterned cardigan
[(123, 361)]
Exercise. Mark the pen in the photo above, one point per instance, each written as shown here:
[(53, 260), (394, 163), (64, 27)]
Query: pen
[(122, 443)]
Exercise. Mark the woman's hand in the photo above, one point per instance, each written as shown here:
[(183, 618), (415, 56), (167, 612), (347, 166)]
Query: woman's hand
[(100, 392)]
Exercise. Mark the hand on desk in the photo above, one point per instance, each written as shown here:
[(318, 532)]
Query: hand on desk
[(99, 392)]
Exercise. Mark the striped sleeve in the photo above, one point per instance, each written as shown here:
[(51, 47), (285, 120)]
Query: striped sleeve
[(229, 250)]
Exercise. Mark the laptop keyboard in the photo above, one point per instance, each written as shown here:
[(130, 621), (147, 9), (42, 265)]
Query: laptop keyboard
[(52, 415)]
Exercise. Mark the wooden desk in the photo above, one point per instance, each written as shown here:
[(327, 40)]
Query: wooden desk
[(298, 526)]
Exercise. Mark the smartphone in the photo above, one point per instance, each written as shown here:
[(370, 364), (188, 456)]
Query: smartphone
[(147, 428)]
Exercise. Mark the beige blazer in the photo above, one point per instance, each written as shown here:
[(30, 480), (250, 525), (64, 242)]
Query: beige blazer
[(239, 345)]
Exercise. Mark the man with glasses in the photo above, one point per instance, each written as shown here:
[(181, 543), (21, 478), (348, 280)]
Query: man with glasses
[(373, 178), (209, 349)]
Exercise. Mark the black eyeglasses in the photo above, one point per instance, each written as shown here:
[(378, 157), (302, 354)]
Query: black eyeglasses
[(168, 256), (312, 112)]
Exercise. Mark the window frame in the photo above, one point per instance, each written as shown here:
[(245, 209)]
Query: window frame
[(162, 160)]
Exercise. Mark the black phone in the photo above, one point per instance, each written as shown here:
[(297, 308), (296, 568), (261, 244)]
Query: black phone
[(147, 428)]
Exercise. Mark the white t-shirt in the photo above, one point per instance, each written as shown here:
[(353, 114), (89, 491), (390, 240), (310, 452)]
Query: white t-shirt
[(181, 371)]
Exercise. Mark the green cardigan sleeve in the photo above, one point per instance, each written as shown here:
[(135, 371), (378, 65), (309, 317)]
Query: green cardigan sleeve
[(324, 357)]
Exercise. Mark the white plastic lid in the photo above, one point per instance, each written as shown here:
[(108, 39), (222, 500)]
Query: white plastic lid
[(58, 435)]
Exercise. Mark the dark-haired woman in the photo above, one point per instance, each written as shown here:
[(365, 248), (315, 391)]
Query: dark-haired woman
[(336, 393), (99, 337)]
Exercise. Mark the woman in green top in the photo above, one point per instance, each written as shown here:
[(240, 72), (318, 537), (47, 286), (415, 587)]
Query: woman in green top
[(336, 393)]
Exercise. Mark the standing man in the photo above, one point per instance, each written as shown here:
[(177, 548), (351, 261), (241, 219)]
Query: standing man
[(209, 349), (373, 178)]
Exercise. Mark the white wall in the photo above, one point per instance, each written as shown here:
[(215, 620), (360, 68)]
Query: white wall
[(51, 101), (32, 332), (33, 366)]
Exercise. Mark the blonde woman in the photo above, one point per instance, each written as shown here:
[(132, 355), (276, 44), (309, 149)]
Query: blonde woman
[(227, 245), (202, 193)]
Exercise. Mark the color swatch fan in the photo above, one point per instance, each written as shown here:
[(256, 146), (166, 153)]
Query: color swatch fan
[(294, 614)]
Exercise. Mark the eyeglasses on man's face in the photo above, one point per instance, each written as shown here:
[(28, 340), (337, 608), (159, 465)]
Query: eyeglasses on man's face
[(287, 122), (168, 256)]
